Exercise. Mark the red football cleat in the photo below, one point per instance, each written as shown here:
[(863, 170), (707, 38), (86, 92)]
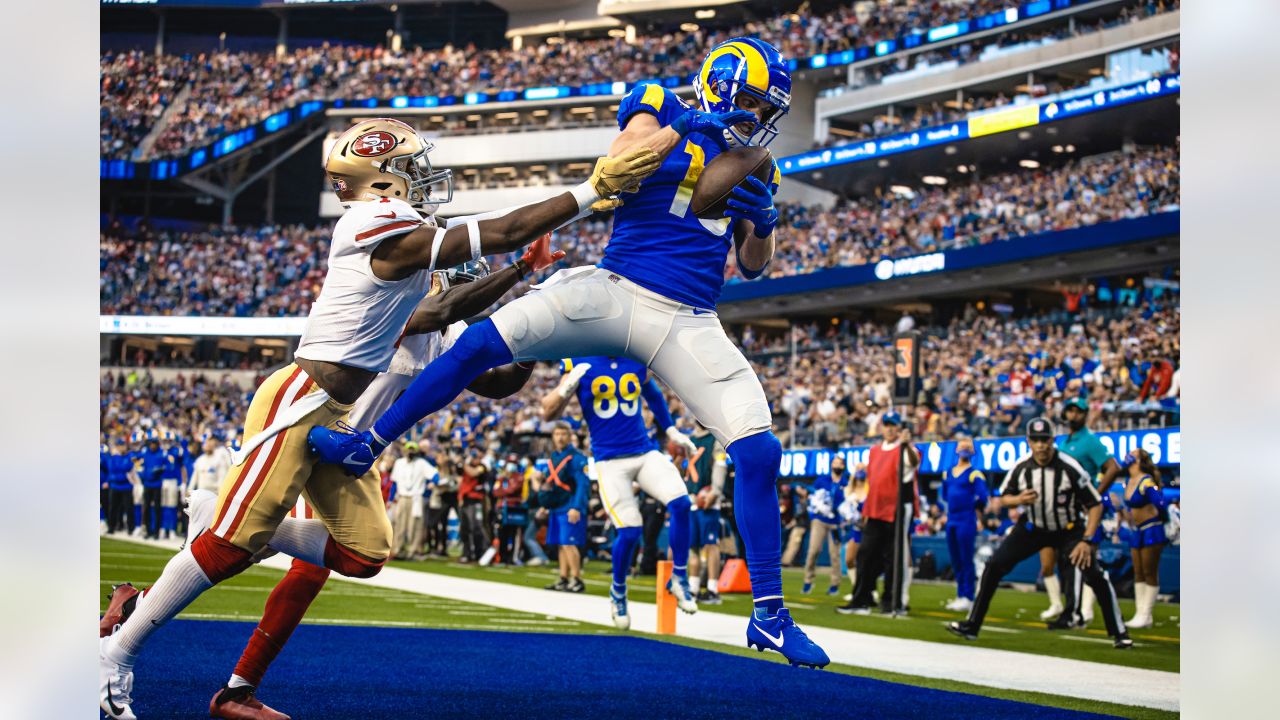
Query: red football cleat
[(123, 600), (238, 703)]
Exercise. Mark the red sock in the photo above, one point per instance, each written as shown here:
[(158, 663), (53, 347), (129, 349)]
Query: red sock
[(286, 605)]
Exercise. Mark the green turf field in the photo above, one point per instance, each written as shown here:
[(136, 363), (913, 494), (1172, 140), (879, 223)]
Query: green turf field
[(1013, 623), (346, 603)]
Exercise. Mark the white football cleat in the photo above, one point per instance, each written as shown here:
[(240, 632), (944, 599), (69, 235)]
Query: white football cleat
[(115, 684), (960, 605), (685, 599), (1054, 611), (618, 611)]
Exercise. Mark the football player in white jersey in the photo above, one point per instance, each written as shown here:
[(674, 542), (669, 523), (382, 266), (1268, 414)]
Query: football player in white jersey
[(381, 262), (457, 293)]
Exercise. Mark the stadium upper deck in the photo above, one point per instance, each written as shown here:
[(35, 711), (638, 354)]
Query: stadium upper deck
[(234, 92)]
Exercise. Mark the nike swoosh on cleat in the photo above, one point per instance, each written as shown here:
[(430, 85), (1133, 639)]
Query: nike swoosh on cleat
[(115, 709), (776, 640), (348, 460)]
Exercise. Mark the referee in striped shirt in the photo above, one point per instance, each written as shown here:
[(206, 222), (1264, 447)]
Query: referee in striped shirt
[(1061, 509)]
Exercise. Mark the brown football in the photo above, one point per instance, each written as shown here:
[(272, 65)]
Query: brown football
[(723, 174)]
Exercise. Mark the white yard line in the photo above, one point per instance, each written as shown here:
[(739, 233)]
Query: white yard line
[(972, 664)]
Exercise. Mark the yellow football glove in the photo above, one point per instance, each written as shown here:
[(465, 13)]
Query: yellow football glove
[(613, 175)]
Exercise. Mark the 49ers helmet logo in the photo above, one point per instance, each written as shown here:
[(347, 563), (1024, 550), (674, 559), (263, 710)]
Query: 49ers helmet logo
[(374, 143)]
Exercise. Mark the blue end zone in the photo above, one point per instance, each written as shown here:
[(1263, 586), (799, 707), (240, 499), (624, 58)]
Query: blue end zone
[(348, 672)]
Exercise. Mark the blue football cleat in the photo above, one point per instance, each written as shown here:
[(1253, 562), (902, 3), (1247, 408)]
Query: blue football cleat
[(618, 610), (806, 589), (685, 599), (343, 446), (779, 632)]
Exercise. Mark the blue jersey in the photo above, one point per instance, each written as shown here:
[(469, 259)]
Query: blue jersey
[(173, 463), (964, 491), (119, 464), (657, 243), (609, 394), (153, 467)]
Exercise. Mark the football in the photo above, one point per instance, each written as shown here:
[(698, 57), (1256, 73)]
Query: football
[(723, 174)]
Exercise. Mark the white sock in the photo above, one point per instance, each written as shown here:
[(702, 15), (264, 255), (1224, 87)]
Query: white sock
[(695, 582), (1054, 588), (1087, 599), (300, 538), (713, 585), (181, 582), (237, 681)]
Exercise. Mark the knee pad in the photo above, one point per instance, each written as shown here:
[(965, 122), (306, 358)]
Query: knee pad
[(760, 450), (680, 504), (348, 563), (219, 559)]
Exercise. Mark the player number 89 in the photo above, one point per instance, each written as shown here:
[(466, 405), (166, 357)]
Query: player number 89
[(606, 402)]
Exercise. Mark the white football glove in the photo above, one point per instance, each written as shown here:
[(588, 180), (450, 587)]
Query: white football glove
[(571, 379), (681, 439)]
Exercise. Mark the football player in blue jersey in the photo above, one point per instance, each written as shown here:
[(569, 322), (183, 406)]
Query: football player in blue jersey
[(652, 298), (609, 389)]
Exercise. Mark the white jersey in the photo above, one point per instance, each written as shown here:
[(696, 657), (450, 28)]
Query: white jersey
[(358, 317), (209, 470), (414, 353)]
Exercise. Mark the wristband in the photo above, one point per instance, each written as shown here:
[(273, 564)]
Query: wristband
[(473, 233), (585, 195), (522, 268)]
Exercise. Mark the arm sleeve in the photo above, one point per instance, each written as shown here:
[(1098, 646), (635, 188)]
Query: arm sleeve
[(980, 492), (582, 492), (657, 404), (653, 99), (1152, 493)]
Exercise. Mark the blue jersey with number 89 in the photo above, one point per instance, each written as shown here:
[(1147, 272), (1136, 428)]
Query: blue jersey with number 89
[(657, 242), (610, 396)]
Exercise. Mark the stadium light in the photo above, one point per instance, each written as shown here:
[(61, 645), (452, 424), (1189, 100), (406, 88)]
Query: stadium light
[(934, 180), (705, 14), (689, 27), (1029, 164)]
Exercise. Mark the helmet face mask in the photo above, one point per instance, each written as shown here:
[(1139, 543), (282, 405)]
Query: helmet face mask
[(421, 177), (745, 67)]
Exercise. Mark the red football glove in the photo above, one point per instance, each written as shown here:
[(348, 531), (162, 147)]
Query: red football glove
[(539, 255)]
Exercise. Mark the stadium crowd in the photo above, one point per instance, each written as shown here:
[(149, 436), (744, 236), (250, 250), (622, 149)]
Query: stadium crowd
[(986, 373), (232, 90), (277, 271), (1007, 206)]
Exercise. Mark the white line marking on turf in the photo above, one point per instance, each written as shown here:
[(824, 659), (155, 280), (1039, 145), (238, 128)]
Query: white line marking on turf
[(1077, 638), (941, 660)]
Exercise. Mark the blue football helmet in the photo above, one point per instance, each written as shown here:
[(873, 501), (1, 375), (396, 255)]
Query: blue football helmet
[(747, 66)]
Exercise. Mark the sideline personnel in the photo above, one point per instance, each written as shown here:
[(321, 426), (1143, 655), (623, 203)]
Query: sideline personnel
[(1053, 489)]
